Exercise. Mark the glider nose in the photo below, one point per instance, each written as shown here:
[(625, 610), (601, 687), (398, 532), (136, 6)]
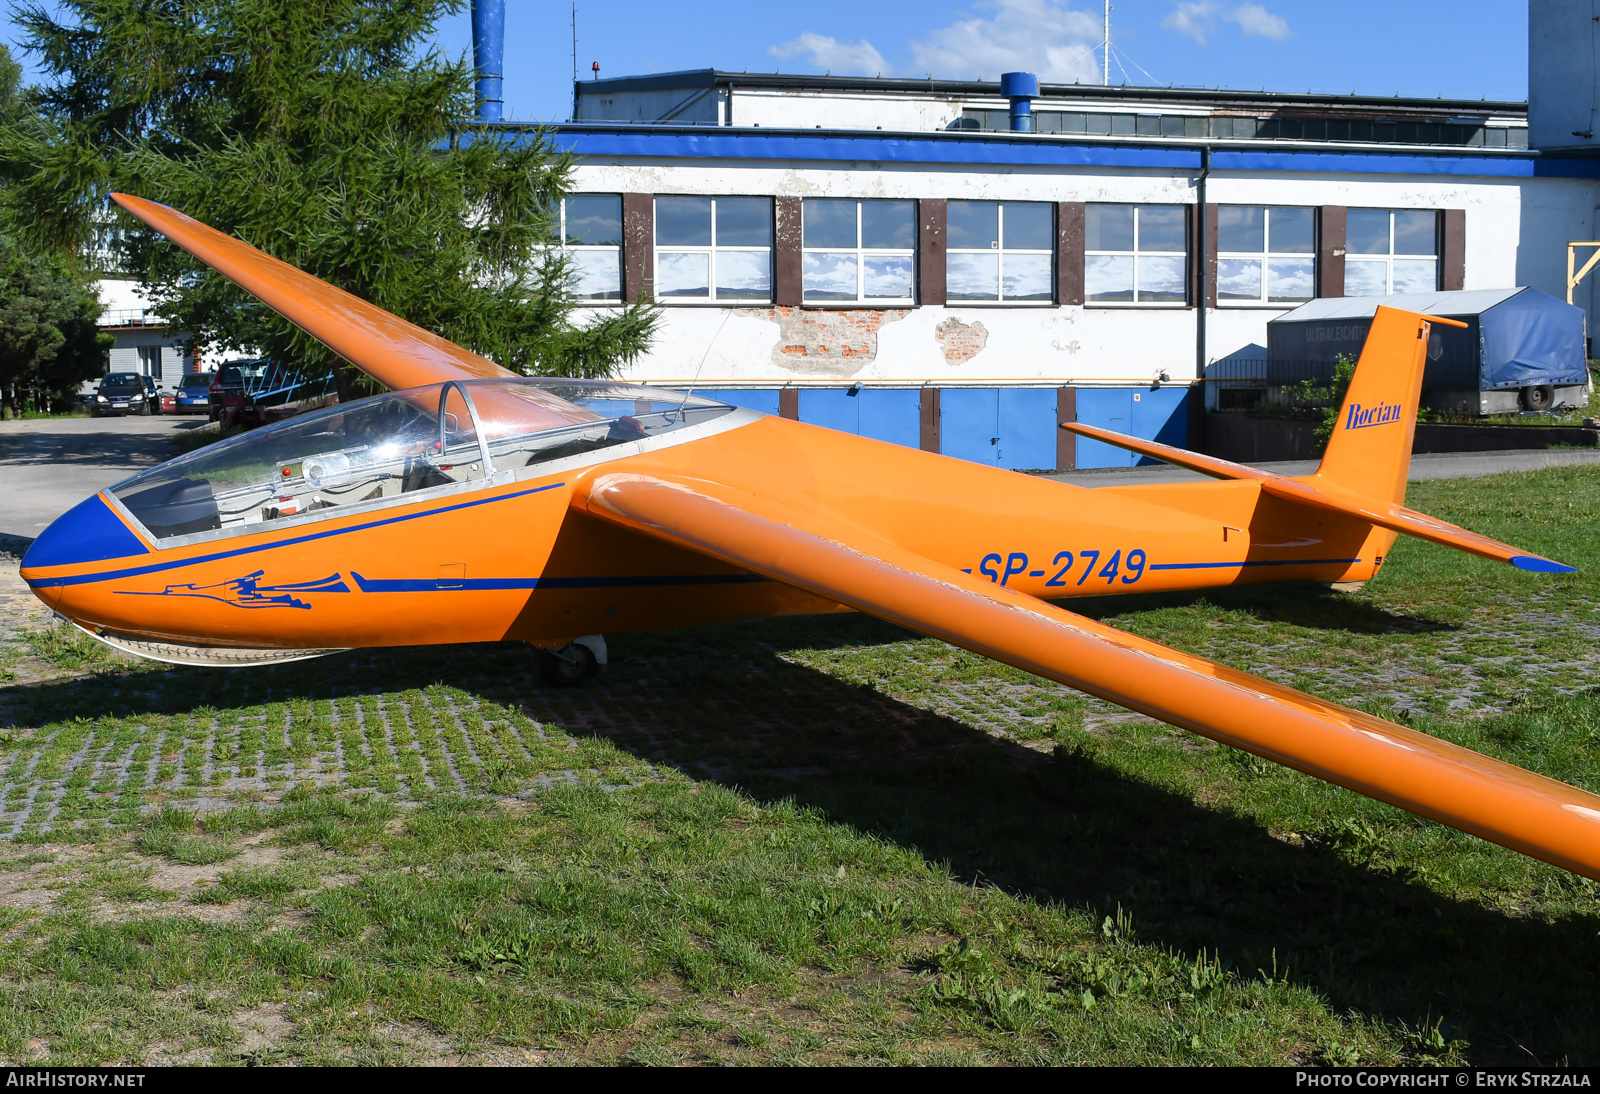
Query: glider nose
[(89, 532)]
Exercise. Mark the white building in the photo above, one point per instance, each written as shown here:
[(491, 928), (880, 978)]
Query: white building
[(146, 343), (889, 256)]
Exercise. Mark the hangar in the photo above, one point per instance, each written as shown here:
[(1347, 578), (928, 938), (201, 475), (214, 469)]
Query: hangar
[(960, 264)]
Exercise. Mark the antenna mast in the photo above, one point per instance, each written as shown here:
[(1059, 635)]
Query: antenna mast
[(575, 38), (1105, 50)]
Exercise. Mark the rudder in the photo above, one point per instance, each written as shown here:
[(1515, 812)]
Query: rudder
[(1370, 448)]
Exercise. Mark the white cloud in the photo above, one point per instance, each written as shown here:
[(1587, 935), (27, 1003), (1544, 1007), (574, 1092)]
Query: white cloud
[(832, 55), (1193, 18), (1257, 20), (1038, 36), (1198, 20)]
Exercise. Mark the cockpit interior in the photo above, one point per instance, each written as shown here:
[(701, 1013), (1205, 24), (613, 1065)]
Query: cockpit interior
[(391, 445)]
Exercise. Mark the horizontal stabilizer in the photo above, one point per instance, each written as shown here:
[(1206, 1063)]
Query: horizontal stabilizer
[(1434, 778), (1317, 491), (1166, 453), (392, 351)]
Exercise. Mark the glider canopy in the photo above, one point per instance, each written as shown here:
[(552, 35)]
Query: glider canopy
[(396, 444)]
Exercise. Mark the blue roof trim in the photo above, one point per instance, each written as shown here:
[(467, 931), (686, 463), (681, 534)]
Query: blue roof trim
[(746, 144), (753, 144), (1390, 163)]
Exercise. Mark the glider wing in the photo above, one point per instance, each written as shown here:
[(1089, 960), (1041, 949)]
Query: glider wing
[(1319, 492), (1497, 801), (384, 346)]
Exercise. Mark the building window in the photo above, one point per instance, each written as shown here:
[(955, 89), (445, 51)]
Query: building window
[(1000, 252), (1265, 255), (1135, 254), (150, 361), (1391, 251), (858, 251), (711, 250), (591, 238)]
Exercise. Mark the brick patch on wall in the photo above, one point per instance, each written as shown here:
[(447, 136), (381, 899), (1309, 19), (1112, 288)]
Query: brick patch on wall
[(814, 342), (959, 341)]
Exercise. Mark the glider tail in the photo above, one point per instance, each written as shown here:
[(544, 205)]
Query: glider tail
[(1370, 449), (1363, 473)]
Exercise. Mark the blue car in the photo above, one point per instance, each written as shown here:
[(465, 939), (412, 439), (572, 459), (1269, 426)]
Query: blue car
[(194, 393)]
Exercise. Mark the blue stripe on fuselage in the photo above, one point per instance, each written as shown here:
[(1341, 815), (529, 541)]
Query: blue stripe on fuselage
[(479, 584), (1254, 562), (172, 564)]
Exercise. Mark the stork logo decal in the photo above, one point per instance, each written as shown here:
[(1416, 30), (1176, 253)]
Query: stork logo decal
[(1364, 417), (248, 592)]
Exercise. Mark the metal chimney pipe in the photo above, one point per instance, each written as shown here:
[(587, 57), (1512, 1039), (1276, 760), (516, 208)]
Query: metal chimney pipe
[(1020, 88), (488, 56)]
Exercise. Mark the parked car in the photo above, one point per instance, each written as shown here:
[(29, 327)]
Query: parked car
[(169, 403), (230, 390), (194, 393), (125, 393)]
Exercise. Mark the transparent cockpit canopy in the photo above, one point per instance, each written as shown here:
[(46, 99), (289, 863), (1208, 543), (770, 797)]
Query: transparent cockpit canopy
[(399, 443)]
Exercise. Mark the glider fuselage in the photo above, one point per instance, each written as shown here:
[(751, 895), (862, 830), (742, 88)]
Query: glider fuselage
[(520, 559)]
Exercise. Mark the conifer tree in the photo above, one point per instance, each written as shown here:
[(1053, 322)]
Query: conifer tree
[(50, 341), (328, 134)]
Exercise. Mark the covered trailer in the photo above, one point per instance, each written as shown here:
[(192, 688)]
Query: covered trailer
[(1521, 350)]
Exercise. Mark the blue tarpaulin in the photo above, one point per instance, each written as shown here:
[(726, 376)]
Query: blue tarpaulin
[(1515, 338), (1532, 339)]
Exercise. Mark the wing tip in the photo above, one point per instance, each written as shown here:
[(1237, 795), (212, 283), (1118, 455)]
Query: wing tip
[(138, 205), (1541, 565)]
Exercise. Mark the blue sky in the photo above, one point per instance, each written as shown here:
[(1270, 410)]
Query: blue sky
[(1464, 49)]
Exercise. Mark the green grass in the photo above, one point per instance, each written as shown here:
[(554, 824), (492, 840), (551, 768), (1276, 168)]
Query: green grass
[(191, 440), (66, 647), (40, 415), (813, 841)]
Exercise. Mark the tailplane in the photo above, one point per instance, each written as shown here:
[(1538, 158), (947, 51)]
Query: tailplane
[(1363, 473)]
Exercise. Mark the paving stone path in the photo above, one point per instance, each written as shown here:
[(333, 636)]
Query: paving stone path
[(107, 744)]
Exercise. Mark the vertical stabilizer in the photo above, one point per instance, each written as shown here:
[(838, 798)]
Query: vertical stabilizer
[(1370, 449)]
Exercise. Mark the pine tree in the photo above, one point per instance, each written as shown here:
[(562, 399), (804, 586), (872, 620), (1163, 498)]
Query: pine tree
[(328, 135), (50, 341)]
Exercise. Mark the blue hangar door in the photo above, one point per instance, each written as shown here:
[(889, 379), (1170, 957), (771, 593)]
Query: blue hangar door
[(1152, 415), (884, 414), (762, 399), (1011, 427)]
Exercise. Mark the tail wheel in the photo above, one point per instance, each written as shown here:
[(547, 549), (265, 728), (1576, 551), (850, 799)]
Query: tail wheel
[(1541, 397), (569, 666)]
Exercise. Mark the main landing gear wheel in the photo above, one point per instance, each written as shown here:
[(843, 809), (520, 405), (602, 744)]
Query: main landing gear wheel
[(578, 662)]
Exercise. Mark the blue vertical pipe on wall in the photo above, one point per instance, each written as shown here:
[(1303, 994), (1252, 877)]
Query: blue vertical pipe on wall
[(1021, 88), (488, 56)]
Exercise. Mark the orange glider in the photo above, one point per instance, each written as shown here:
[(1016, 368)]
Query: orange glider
[(471, 505)]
